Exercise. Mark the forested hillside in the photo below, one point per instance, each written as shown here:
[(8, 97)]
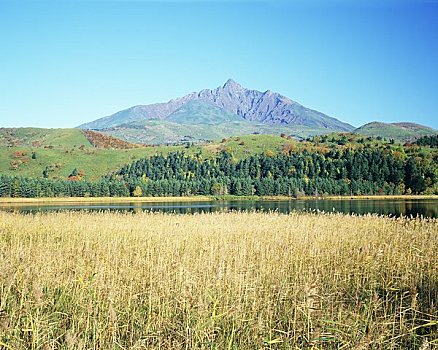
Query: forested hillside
[(353, 172), (326, 165)]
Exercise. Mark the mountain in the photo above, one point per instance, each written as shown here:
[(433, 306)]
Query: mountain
[(398, 131), (201, 121), (228, 103)]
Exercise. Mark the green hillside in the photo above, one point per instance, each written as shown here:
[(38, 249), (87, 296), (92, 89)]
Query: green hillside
[(38, 137), (62, 150), (58, 151), (62, 161), (397, 131)]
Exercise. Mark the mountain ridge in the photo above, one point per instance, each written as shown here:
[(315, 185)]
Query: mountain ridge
[(263, 107)]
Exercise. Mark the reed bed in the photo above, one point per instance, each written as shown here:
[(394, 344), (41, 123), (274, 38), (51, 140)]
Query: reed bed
[(75, 280)]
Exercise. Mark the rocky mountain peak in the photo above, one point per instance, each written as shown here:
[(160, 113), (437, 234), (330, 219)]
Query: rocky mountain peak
[(267, 107), (231, 85)]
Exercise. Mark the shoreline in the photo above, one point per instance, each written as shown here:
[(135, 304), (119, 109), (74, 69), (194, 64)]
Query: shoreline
[(77, 200)]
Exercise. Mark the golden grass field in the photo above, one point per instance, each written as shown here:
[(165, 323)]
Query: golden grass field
[(78, 280)]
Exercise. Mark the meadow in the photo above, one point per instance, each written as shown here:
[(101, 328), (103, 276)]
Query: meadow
[(78, 280)]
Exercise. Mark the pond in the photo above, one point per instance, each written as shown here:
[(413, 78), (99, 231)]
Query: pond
[(393, 207)]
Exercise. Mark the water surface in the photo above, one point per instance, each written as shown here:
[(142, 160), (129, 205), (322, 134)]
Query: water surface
[(393, 207)]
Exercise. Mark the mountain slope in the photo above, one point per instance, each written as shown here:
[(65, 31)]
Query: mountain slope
[(157, 131), (264, 107), (397, 131), (199, 112)]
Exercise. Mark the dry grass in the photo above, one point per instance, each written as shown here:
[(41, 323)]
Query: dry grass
[(219, 281)]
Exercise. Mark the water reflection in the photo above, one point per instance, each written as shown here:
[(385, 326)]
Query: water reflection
[(399, 207)]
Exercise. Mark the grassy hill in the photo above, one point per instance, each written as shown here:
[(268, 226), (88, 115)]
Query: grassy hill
[(29, 151), (38, 137), (397, 131)]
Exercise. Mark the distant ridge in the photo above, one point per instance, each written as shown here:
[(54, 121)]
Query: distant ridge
[(232, 100), (402, 131)]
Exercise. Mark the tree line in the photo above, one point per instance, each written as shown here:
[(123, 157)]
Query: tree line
[(15, 186), (366, 171), (338, 172)]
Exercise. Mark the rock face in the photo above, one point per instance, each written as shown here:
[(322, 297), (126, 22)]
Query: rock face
[(266, 107)]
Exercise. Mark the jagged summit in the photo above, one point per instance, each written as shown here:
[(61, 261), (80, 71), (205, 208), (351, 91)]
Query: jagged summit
[(262, 107), (230, 84)]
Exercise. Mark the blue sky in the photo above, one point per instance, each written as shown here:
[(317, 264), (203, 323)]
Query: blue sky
[(63, 63)]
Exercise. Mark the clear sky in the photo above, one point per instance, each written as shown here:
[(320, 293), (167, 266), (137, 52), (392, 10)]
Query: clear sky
[(63, 63)]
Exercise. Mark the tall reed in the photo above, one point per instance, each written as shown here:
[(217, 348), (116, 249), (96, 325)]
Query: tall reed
[(74, 280)]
